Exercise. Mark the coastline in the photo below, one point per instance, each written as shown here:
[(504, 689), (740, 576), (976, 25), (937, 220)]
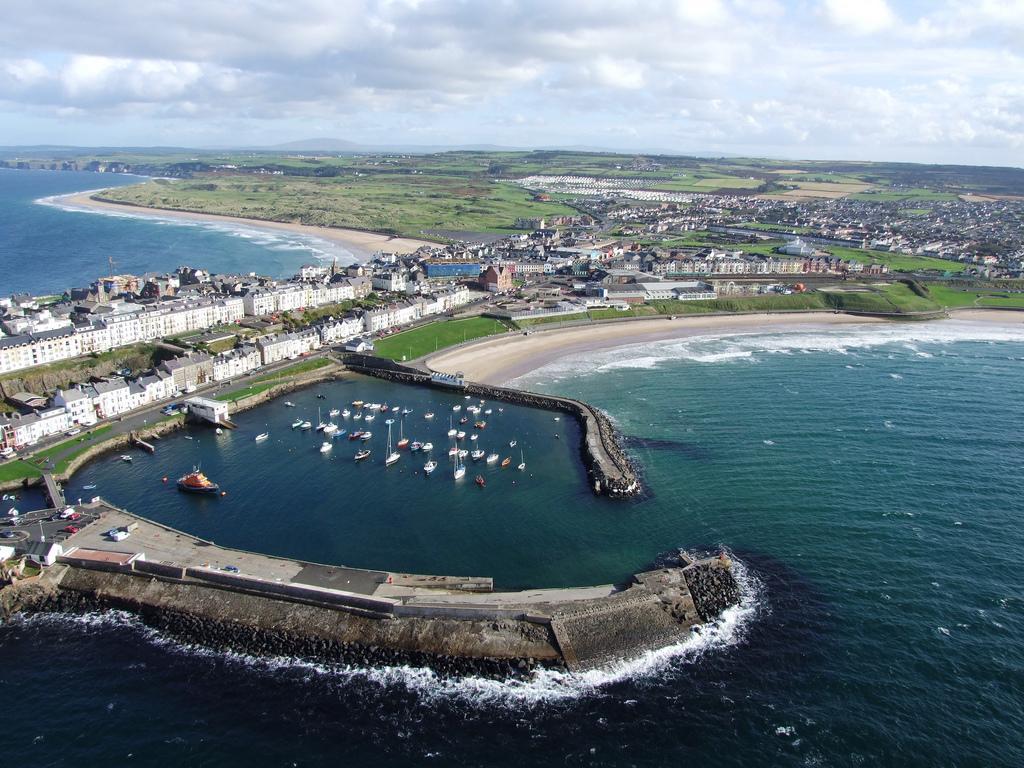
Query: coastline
[(361, 243), (498, 360)]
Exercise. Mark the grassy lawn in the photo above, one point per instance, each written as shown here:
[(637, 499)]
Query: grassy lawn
[(417, 342), (393, 203), (80, 443), (771, 303), (897, 262), (553, 319), (18, 470), (302, 367), (239, 394), (958, 297)]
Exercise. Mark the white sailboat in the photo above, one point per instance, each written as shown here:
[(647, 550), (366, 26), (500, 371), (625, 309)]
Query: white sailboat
[(460, 469), (427, 447), (392, 455), (320, 423), (522, 461), (334, 412), (477, 454), (451, 428), (492, 457), (262, 436)]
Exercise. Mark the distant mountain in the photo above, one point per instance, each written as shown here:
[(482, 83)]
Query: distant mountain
[(315, 145)]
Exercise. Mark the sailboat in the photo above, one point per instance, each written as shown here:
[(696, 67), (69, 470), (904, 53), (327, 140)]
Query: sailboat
[(451, 428), (307, 425), (320, 423), (297, 423), (430, 466), (522, 461), (326, 446), (392, 455), (363, 454), (334, 412), (492, 457), (427, 447), (460, 469), (403, 441), (428, 415), (477, 454)]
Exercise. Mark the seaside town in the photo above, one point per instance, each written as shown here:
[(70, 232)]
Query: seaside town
[(216, 327)]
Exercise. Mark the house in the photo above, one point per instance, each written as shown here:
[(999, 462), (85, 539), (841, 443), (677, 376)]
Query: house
[(42, 552), (189, 371), (282, 346), (496, 279), (236, 362), (359, 345), (109, 398), (78, 405)]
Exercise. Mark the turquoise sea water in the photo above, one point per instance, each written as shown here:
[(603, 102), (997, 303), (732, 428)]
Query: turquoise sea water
[(48, 248), (867, 478)]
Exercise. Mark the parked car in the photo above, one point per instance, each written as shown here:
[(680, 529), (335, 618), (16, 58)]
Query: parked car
[(69, 529), (230, 568), (7, 534)]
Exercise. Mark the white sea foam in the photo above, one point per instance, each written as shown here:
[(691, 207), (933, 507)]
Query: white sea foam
[(545, 686), (747, 347)]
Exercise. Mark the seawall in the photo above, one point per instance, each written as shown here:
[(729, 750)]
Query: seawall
[(609, 468)]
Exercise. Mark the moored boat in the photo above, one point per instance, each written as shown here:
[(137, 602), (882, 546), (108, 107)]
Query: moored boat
[(289, 404), (326, 446), (307, 425), (262, 436), (460, 435), (511, 443), (346, 413), (522, 462), (428, 415), (427, 447), (477, 454), (506, 461), (492, 457), (297, 423), (363, 454), (480, 425), (196, 482), (366, 436), (334, 412), (355, 435), (480, 481), (430, 466), (416, 446)]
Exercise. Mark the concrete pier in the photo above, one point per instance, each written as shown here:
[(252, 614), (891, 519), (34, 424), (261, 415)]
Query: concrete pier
[(259, 603)]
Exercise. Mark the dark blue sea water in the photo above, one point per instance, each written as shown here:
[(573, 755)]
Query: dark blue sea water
[(45, 248), (868, 479)]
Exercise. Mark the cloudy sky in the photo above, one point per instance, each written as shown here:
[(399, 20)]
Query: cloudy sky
[(938, 81)]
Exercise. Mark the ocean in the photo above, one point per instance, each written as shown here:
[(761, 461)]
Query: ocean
[(867, 479), (47, 246)]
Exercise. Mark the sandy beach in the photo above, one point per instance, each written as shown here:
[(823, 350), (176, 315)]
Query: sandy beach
[(499, 360), (362, 244)]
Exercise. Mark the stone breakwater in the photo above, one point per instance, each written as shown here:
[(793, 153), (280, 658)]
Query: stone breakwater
[(609, 467)]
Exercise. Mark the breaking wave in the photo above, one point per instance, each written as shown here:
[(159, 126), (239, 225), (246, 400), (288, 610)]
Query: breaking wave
[(748, 347), (544, 686)]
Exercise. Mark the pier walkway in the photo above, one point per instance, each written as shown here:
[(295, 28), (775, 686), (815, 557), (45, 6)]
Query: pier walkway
[(52, 490)]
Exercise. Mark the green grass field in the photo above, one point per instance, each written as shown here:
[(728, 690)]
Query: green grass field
[(553, 319), (425, 339), (640, 310), (956, 297)]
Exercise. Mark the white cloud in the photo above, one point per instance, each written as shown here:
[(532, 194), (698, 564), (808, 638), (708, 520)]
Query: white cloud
[(862, 17)]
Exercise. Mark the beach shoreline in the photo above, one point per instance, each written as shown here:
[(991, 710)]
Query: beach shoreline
[(361, 243), (499, 360)]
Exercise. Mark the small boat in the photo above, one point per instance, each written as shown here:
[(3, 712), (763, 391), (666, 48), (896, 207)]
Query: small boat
[(196, 482), (456, 408), (340, 433), (428, 415), (331, 428), (558, 418), (460, 471), (453, 451), (451, 429), (430, 466), (406, 411), (464, 420), (473, 437), (480, 481), (363, 454), (416, 446), (355, 435), (506, 461), (289, 404), (320, 424), (84, 488), (463, 453), (427, 447), (126, 458), (522, 462), (392, 455), (460, 435), (357, 403), (307, 425), (492, 457), (369, 417), (389, 422), (403, 443), (467, 397), (366, 436), (480, 425), (346, 413), (262, 436), (321, 397), (501, 410), (487, 412), (384, 408), (189, 437), (326, 446), (511, 443), (219, 431), (358, 415), (477, 455), (334, 412)]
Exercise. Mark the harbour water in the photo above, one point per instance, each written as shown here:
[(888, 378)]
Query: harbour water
[(48, 246), (868, 479)]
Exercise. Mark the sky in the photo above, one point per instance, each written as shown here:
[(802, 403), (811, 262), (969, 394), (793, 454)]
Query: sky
[(939, 81)]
